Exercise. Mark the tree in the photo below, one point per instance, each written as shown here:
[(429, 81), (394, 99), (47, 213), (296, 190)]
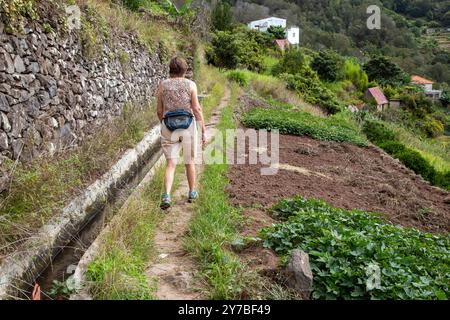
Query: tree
[(384, 71), (233, 49), (222, 17), (327, 64), (223, 52), (277, 32), (293, 62)]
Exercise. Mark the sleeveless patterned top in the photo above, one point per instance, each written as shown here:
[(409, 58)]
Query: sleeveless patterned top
[(176, 94)]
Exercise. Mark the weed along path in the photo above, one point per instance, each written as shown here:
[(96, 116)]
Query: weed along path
[(173, 268)]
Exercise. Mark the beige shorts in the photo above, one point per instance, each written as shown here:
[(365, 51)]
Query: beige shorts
[(173, 141)]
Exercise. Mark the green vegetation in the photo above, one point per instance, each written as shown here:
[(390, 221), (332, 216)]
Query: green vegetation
[(313, 91), (239, 48), (436, 150), (215, 227), (347, 247), (302, 123), (292, 62), (341, 26), (52, 182), (387, 139), (327, 64), (118, 273), (273, 88), (222, 17), (215, 223), (384, 71), (13, 13), (210, 82), (238, 76), (277, 32), (150, 33)]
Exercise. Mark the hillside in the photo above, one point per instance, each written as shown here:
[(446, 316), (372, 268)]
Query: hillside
[(341, 25), (324, 174)]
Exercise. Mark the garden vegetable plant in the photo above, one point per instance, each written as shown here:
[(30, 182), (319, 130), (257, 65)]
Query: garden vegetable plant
[(346, 248), (303, 124)]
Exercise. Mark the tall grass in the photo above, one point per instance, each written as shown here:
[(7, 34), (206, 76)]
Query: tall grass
[(41, 188), (150, 32), (272, 87), (118, 273), (215, 223), (435, 150)]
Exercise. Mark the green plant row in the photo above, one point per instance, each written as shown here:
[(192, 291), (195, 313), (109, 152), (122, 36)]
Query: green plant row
[(385, 138), (357, 255), (303, 124)]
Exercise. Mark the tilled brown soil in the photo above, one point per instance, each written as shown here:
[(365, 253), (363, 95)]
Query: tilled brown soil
[(347, 177)]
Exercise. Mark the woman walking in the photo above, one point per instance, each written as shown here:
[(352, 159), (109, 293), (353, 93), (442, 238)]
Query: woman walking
[(177, 106)]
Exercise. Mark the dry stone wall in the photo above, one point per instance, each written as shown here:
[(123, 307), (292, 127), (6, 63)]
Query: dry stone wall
[(52, 96)]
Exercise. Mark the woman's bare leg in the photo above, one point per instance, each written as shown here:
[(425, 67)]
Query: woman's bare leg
[(190, 173), (169, 175)]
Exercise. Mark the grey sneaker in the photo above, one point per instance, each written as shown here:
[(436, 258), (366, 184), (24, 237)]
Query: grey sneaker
[(165, 201), (193, 195)]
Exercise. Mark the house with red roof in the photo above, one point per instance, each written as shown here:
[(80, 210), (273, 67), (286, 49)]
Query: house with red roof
[(282, 44), (427, 86), (377, 94)]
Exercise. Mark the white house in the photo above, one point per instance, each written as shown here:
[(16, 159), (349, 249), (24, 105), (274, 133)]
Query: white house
[(264, 24), (427, 86), (293, 35)]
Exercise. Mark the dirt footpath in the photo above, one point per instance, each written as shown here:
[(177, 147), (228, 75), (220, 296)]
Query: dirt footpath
[(348, 177), (174, 270)]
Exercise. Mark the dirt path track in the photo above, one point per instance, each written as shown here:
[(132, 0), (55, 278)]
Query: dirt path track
[(174, 269)]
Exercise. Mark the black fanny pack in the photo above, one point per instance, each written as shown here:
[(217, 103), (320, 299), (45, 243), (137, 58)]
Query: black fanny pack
[(178, 119)]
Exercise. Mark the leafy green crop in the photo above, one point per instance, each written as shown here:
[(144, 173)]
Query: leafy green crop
[(344, 246), (302, 123)]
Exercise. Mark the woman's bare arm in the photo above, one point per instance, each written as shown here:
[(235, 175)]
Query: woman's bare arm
[(159, 104), (197, 109)]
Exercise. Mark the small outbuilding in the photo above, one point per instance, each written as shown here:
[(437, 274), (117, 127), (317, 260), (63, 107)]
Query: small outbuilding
[(377, 94), (282, 44)]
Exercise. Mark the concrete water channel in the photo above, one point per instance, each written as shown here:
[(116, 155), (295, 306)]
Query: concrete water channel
[(54, 253)]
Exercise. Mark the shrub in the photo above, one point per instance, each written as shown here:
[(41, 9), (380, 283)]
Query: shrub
[(239, 77), (293, 62), (385, 138), (378, 132), (443, 179), (302, 123), (13, 14), (344, 246), (393, 147), (327, 64), (277, 32), (417, 163), (432, 127), (314, 92), (352, 71)]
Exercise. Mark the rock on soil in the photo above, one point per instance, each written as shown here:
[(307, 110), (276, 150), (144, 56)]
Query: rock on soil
[(298, 273)]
